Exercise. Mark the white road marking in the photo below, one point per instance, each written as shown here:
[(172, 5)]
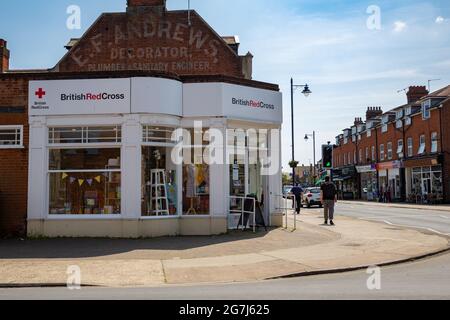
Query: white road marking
[(408, 226)]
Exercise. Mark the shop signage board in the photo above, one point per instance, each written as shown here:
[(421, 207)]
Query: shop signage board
[(232, 101), (156, 95), (76, 97), (366, 169), (390, 165)]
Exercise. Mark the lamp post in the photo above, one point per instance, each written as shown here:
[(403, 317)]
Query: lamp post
[(306, 93), (307, 136)]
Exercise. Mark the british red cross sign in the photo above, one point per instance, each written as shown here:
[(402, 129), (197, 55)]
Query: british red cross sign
[(40, 93)]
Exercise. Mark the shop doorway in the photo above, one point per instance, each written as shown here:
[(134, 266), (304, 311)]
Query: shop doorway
[(246, 181)]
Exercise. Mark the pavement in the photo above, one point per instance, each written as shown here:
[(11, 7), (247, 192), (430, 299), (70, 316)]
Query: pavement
[(236, 257), (444, 207), (423, 279)]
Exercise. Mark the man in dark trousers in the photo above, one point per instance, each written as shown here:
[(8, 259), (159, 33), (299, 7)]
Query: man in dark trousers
[(297, 191), (328, 197)]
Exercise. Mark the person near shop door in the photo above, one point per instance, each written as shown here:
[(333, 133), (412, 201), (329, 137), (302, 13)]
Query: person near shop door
[(328, 197), (297, 191)]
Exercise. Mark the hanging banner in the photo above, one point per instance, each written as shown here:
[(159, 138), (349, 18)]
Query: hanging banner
[(98, 179), (80, 182)]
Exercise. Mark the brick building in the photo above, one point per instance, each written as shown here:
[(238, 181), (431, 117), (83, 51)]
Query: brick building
[(398, 155), (85, 146)]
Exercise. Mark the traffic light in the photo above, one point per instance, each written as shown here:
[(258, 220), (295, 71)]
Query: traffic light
[(327, 156)]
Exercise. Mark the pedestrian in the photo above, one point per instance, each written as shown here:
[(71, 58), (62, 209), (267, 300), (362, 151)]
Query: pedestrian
[(328, 197), (297, 191)]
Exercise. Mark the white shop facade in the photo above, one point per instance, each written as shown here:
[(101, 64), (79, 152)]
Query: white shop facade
[(103, 160)]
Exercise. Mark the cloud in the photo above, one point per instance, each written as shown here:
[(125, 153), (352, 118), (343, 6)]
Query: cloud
[(440, 20), (399, 26)]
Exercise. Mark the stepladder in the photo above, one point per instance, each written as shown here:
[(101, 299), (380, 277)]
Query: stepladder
[(159, 202)]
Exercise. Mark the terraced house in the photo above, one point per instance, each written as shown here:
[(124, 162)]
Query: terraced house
[(398, 155), (86, 146)]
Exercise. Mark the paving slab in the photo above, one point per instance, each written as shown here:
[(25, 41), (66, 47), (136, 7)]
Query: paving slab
[(237, 256)]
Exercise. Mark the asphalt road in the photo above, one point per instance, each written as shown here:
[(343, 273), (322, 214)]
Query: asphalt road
[(425, 279), (430, 220)]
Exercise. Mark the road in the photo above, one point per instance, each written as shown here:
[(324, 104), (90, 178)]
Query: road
[(425, 279), (430, 220)]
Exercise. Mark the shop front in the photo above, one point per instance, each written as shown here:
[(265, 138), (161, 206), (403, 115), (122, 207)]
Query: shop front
[(147, 157), (391, 181), (369, 182), (346, 180), (425, 177)]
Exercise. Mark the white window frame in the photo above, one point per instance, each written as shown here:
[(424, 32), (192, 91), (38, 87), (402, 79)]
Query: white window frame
[(179, 169), (384, 128), (382, 154), (400, 147), (426, 109), (374, 155), (408, 121), (434, 142), (410, 147), (422, 145), (399, 124), (369, 133), (389, 151), (20, 140), (85, 145)]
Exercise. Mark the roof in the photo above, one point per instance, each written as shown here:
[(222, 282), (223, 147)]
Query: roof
[(441, 93), (231, 40)]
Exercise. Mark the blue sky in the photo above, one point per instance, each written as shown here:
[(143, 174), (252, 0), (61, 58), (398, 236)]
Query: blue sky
[(325, 43)]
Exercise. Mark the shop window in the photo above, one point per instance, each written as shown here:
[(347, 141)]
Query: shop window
[(85, 181), (157, 134), (389, 151), (81, 135), (382, 155), (159, 179), (11, 137), (422, 145), (410, 147), (196, 182), (434, 142)]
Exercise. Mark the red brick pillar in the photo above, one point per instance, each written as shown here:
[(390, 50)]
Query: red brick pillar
[(4, 56)]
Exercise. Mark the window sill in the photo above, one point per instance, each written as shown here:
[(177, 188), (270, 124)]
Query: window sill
[(12, 147), (84, 217)]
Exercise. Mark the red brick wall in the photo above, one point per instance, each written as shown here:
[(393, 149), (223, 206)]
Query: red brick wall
[(144, 40), (445, 120), (14, 162)]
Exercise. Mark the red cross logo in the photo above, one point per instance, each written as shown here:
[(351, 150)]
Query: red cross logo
[(40, 93)]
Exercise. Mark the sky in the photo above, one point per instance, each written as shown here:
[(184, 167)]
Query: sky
[(337, 47)]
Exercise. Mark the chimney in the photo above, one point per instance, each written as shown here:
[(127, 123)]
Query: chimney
[(4, 56), (373, 112), (247, 65), (143, 5), (415, 93), (358, 121)]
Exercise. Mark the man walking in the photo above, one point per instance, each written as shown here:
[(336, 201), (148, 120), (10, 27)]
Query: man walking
[(297, 191), (328, 197)]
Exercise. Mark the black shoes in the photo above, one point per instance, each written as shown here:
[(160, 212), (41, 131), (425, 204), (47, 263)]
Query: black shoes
[(326, 222), (331, 223)]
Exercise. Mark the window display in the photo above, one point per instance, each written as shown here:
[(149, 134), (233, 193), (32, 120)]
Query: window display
[(196, 183), (85, 181), (159, 176)]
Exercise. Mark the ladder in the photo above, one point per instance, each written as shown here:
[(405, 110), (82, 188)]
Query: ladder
[(159, 203)]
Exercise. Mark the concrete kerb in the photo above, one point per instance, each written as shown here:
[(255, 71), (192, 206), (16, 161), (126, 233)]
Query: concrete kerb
[(357, 268)]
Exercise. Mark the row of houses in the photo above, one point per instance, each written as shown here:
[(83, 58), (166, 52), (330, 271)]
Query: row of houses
[(400, 155)]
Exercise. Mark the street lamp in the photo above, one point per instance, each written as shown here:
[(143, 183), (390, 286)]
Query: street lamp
[(313, 135), (306, 92)]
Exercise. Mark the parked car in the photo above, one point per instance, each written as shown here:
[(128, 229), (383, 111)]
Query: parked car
[(287, 191), (311, 197)]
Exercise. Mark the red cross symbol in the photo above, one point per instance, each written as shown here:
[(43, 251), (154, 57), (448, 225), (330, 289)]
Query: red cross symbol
[(40, 93)]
